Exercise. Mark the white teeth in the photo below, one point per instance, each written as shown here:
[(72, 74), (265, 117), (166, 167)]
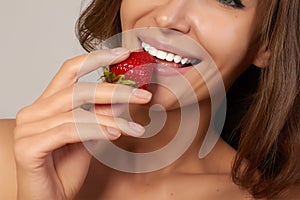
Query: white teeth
[(184, 61), (164, 55), (152, 51), (161, 54), (170, 57), (177, 59), (146, 46)]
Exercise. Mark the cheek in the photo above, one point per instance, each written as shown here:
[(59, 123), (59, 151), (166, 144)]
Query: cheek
[(230, 52), (230, 44), (125, 13)]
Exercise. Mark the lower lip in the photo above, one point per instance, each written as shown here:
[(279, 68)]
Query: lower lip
[(164, 68)]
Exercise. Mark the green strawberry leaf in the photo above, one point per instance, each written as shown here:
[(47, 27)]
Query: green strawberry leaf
[(110, 77)]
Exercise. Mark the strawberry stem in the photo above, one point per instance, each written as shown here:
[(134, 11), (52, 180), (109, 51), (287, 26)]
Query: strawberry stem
[(110, 77)]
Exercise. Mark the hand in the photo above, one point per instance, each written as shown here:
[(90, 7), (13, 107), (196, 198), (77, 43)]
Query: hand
[(51, 160)]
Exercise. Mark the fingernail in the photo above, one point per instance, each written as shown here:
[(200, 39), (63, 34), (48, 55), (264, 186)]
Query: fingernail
[(119, 51), (137, 129), (141, 93), (113, 131)]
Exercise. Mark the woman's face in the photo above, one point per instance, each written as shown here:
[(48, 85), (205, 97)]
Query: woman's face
[(226, 29)]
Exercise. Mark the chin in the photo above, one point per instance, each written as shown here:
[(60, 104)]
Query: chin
[(170, 100)]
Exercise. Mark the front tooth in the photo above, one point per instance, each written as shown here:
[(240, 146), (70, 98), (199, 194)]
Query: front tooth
[(170, 57), (146, 46), (184, 61), (143, 44), (177, 59), (161, 55), (153, 51)]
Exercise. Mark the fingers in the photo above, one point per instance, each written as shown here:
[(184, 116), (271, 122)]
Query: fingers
[(56, 119), (82, 93), (29, 150), (74, 68), (38, 146), (109, 126)]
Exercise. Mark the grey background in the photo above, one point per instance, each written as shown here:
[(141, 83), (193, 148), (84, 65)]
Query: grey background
[(36, 37)]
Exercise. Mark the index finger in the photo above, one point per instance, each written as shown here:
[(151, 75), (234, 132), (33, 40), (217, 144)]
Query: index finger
[(77, 67)]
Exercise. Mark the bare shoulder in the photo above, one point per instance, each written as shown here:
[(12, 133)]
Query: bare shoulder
[(7, 162), (7, 125)]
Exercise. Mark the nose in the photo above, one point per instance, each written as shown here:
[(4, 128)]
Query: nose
[(172, 14)]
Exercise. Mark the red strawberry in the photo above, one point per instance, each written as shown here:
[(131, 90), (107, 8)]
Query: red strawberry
[(135, 71)]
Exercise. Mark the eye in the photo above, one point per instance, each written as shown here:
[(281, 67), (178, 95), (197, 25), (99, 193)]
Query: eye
[(232, 3)]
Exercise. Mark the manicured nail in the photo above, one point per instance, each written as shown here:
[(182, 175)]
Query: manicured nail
[(137, 129), (119, 51), (141, 93), (113, 131)]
